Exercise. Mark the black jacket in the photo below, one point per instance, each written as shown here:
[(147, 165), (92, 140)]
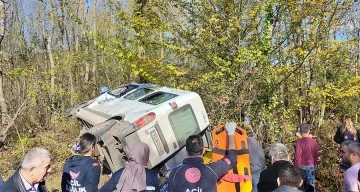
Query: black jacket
[(15, 184), (80, 173), (268, 178), (341, 136)]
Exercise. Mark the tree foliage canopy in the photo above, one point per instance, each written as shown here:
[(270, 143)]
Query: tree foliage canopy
[(278, 63)]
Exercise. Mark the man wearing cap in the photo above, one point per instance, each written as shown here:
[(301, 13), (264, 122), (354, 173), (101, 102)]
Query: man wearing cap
[(196, 176), (306, 153)]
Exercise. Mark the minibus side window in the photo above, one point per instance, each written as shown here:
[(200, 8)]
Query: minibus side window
[(157, 98), (184, 123), (138, 93)]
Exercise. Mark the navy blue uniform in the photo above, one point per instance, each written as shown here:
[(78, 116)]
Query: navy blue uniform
[(195, 176), (80, 173), (152, 182)]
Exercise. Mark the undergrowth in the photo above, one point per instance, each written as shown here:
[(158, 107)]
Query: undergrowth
[(58, 139), (61, 135)]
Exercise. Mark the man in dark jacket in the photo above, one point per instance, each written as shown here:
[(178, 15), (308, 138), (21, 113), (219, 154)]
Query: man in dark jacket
[(290, 179), (278, 153), (31, 176), (194, 175)]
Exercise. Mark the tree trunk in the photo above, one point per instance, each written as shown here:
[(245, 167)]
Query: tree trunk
[(47, 33), (2, 21), (95, 58), (94, 21), (71, 87), (50, 55), (3, 105), (62, 29), (323, 105), (162, 46), (78, 27), (87, 69)]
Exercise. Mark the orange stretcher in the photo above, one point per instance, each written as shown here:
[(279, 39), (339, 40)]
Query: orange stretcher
[(239, 178)]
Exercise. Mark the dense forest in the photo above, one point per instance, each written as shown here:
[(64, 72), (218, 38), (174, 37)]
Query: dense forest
[(278, 63)]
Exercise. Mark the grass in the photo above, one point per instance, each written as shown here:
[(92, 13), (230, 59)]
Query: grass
[(58, 139)]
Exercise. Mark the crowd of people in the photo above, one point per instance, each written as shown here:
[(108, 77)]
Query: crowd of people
[(81, 173), (347, 135)]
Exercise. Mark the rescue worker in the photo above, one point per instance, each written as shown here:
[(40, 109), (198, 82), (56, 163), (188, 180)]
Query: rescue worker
[(196, 176), (81, 172)]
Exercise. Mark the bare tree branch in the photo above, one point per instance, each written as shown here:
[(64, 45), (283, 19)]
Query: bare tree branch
[(19, 111)]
